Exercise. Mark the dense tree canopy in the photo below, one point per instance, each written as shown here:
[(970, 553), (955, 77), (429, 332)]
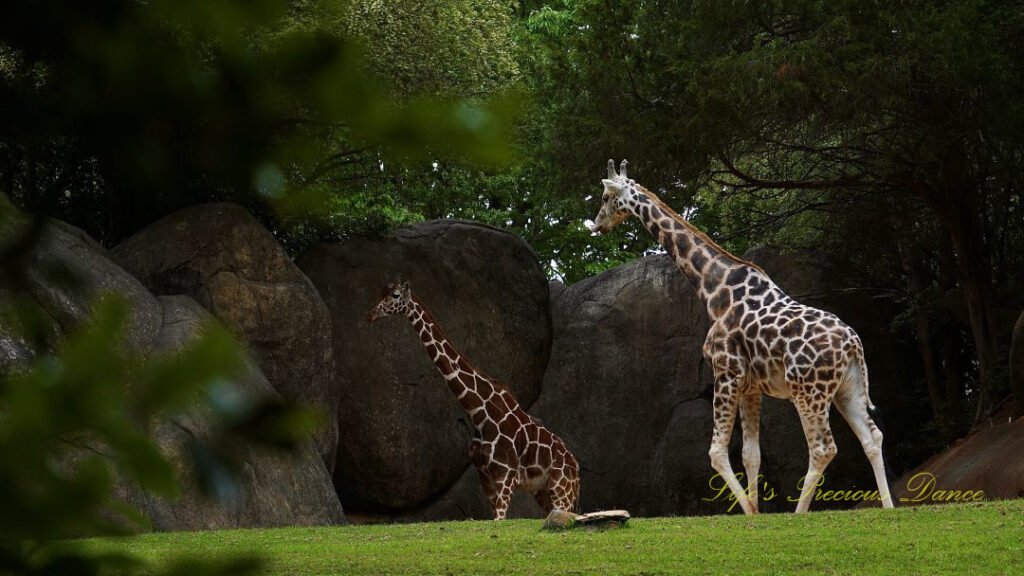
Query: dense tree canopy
[(226, 100), (900, 119)]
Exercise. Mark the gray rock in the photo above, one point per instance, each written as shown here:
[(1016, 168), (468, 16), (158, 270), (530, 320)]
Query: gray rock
[(625, 356), (277, 488), (464, 500), (14, 350), (221, 256), (404, 439), (559, 520), (66, 273), (555, 289)]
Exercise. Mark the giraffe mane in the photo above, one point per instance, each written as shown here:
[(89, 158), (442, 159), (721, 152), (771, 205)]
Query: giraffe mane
[(693, 229), (428, 317)]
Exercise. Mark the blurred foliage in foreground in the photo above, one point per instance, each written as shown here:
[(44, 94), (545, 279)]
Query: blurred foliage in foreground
[(113, 113), (76, 405)]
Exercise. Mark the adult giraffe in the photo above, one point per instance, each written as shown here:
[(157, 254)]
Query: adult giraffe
[(510, 448), (761, 341)]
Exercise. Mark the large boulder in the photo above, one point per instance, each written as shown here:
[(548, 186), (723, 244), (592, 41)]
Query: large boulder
[(628, 391), (277, 488), (624, 385), (66, 270), (66, 274), (404, 439), (221, 256), (989, 461), (1017, 365)]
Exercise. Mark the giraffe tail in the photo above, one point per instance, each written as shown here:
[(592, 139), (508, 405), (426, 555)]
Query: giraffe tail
[(862, 369)]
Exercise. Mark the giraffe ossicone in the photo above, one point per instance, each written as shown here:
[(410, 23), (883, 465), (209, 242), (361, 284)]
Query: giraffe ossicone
[(510, 449), (761, 341)]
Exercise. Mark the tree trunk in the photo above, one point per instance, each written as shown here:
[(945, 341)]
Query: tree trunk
[(917, 285), (956, 204), (953, 368), (979, 294), (956, 194), (1017, 365)]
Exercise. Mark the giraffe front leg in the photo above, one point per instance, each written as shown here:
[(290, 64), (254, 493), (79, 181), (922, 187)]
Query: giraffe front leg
[(750, 419), (504, 486), (726, 399)]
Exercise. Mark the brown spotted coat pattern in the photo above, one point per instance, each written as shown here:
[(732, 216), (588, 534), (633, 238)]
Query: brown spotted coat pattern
[(510, 449), (761, 341)]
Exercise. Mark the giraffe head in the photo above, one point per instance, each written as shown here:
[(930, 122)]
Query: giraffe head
[(397, 299), (614, 200)]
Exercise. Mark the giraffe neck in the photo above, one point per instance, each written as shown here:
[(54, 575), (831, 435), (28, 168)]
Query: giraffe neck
[(707, 266), (471, 388)]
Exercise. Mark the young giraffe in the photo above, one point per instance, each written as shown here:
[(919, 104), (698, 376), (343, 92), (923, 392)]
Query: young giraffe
[(761, 341), (510, 449)]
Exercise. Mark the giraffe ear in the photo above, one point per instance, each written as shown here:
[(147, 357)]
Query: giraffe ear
[(611, 185)]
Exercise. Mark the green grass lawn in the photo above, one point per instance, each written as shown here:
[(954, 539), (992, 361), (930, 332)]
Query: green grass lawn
[(952, 539)]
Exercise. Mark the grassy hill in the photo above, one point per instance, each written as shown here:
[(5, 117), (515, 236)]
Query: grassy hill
[(972, 539)]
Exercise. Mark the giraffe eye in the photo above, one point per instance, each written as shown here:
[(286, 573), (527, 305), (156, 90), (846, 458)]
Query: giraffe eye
[(395, 295)]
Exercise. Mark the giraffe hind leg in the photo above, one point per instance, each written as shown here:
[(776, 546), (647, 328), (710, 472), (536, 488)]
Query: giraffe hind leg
[(543, 498), (854, 408)]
